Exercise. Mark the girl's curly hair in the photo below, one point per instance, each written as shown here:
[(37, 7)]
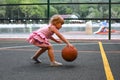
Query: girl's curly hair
[(56, 19)]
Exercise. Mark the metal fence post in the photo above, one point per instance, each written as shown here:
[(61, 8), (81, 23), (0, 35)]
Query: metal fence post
[(48, 11), (109, 19)]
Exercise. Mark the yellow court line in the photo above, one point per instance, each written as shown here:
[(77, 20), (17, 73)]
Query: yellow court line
[(108, 71)]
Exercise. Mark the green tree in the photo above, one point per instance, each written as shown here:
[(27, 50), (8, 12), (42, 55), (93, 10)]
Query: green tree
[(32, 10), (115, 11), (93, 13), (83, 10), (40, 11), (63, 9), (53, 11), (12, 11), (2, 9), (103, 9), (12, 1)]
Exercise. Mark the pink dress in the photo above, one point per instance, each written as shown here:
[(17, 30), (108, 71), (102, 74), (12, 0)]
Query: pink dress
[(40, 37)]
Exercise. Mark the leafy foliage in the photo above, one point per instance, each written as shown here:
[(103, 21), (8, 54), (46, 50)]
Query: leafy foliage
[(40, 11)]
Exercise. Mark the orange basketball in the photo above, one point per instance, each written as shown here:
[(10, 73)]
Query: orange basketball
[(69, 53)]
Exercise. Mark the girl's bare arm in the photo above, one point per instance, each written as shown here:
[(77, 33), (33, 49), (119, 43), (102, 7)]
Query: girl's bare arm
[(59, 35), (56, 40)]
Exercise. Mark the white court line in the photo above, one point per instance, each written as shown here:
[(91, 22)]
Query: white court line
[(52, 44), (33, 45), (15, 47)]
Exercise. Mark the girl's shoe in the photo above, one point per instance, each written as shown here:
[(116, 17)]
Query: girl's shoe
[(56, 63), (36, 60)]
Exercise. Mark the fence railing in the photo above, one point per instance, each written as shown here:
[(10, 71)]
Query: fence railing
[(48, 4)]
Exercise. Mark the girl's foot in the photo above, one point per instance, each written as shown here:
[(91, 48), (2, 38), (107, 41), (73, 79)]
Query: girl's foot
[(36, 60), (56, 63)]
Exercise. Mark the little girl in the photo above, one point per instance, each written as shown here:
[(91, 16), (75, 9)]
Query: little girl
[(41, 38)]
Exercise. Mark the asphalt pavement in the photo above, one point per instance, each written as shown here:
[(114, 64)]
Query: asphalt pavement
[(94, 62)]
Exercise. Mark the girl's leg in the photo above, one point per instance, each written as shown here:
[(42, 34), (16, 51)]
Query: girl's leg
[(39, 52), (51, 53), (52, 58)]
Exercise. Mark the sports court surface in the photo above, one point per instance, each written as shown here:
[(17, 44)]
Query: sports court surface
[(97, 60)]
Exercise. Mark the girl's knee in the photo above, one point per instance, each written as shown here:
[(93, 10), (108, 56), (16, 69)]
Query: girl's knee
[(50, 47)]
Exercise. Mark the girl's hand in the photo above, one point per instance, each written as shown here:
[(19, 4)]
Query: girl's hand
[(59, 41), (70, 45)]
